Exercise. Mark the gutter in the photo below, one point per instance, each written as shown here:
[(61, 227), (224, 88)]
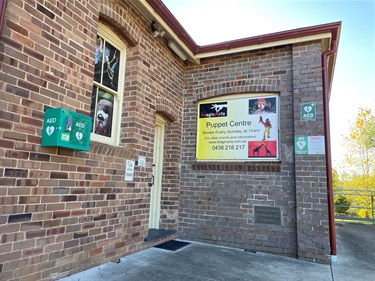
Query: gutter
[(327, 136), (233, 46)]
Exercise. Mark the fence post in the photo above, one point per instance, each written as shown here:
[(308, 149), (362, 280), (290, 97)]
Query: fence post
[(372, 208)]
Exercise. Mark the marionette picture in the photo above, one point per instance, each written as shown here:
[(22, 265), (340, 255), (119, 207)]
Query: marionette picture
[(107, 63), (262, 105)]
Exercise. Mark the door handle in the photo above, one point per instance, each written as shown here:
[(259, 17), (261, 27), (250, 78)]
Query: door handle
[(152, 181)]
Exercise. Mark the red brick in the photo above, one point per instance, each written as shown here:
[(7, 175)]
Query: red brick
[(31, 277), (55, 247), (9, 228), (7, 144), (37, 259), (22, 245), (10, 200), (42, 216), (14, 136), (96, 252), (10, 256), (55, 231), (5, 248), (35, 208), (32, 252), (35, 233), (50, 199), (56, 206), (7, 182), (29, 199)]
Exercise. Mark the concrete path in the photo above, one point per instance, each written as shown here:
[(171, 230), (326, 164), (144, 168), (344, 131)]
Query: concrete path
[(355, 252), (204, 262)]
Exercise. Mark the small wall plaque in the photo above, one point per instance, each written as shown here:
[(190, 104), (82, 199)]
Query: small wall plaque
[(267, 215)]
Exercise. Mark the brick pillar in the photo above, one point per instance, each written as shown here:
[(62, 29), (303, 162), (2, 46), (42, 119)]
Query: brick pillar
[(310, 170)]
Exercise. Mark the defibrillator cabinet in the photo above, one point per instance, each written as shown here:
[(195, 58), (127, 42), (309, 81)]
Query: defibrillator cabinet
[(65, 128)]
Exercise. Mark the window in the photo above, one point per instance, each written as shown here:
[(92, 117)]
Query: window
[(107, 93)]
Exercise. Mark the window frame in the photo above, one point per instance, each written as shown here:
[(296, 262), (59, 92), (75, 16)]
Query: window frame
[(109, 36)]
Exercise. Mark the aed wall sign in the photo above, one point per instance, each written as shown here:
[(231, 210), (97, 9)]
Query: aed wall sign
[(309, 145), (66, 128), (308, 111), (241, 127)]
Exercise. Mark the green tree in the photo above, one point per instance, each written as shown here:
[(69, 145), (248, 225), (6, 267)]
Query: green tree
[(359, 160), (360, 144), (342, 204), (336, 183)]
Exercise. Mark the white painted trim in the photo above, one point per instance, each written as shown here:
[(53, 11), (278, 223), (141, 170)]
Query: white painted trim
[(105, 32), (157, 170), (166, 28), (264, 45)]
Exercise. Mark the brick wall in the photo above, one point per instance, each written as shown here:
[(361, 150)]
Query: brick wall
[(62, 210), (310, 170), (217, 199), (216, 204)]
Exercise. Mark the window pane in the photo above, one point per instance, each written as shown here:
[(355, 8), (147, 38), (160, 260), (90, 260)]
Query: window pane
[(111, 66), (103, 114), (99, 59)]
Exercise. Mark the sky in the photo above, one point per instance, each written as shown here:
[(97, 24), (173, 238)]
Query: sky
[(215, 21)]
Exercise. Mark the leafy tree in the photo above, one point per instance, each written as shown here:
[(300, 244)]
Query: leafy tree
[(335, 179), (360, 144), (359, 161), (342, 204)]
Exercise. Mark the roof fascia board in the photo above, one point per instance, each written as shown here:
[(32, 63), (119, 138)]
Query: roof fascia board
[(168, 18), (195, 52), (167, 28), (264, 45)]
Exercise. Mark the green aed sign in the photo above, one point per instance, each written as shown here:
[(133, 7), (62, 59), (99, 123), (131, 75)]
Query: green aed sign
[(66, 128), (301, 145), (308, 111)]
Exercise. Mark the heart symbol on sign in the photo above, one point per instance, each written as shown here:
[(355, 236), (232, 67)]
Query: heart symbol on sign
[(49, 130), (79, 136), (308, 108), (301, 144)]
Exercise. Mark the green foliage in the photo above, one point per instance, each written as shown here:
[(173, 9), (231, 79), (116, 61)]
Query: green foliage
[(360, 156), (335, 179), (359, 163), (343, 205)]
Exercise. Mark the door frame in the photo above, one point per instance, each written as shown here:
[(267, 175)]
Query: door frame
[(157, 173)]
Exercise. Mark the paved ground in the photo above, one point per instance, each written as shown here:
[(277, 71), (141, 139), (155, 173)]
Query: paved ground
[(203, 262), (355, 252)]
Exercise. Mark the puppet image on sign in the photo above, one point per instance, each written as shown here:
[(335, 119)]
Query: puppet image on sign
[(267, 127), (106, 64), (102, 112), (262, 105), (266, 109), (98, 59), (262, 149)]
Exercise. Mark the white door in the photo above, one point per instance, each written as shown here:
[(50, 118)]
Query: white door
[(157, 173)]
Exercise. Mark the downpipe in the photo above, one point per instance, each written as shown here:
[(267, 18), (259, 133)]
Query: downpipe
[(3, 4), (327, 136)]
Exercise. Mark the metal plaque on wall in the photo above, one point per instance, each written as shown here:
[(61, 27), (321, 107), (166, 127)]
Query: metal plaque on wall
[(267, 215)]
